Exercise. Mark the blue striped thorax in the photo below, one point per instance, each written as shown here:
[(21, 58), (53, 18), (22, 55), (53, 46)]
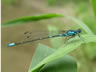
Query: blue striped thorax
[(73, 32)]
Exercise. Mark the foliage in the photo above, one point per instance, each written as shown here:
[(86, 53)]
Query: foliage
[(10, 2), (83, 12), (64, 2), (63, 50), (65, 63), (42, 62), (94, 6)]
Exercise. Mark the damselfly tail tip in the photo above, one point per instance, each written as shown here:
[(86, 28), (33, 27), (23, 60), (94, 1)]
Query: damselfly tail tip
[(11, 44)]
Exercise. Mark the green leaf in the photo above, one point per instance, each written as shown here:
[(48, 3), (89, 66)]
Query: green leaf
[(65, 49), (94, 6), (90, 51), (30, 19), (41, 52), (66, 63)]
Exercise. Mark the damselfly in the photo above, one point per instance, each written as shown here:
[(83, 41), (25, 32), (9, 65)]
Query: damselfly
[(68, 33)]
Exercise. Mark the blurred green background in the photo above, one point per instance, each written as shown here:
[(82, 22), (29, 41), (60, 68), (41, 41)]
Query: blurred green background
[(18, 58)]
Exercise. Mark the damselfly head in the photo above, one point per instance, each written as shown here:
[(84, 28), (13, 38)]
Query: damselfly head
[(79, 30)]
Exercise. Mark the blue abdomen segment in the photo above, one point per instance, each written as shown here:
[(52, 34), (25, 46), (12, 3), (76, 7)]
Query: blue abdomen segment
[(11, 44)]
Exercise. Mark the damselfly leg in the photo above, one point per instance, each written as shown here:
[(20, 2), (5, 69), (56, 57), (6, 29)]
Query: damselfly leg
[(68, 38), (81, 38)]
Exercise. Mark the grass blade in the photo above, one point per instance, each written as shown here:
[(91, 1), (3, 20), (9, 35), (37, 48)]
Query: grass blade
[(81, 24), (31, 18), (94, 6)]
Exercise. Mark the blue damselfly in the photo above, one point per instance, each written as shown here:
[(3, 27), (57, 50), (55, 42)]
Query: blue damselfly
[(68, 33)]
